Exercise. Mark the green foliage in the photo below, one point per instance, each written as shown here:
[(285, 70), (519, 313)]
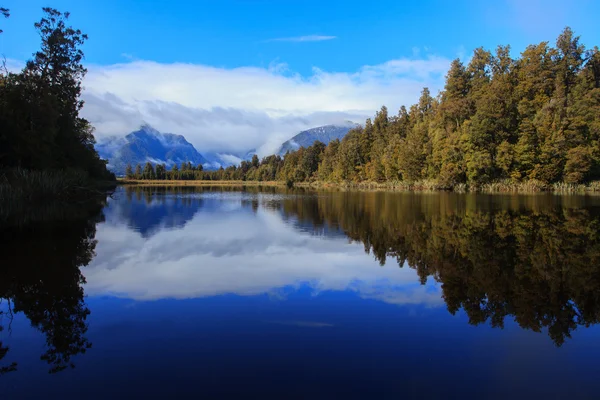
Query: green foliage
[(578, 165), (128, 172), (532, 118), (21, 187), (530, 122), (148, 171), (40, 126), (138, 172)]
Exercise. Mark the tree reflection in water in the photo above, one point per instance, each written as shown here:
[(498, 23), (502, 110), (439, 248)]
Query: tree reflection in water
[(40, 277), (535, 258)]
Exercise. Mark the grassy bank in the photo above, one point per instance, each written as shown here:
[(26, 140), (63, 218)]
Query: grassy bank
[(42, 196), (505, 186), (494, 187), (32, 187), (144, 182)]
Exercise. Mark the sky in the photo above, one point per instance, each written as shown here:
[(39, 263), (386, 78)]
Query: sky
[(233, 75)]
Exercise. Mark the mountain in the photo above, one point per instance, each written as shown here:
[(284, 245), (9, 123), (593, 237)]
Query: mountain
[(147, 144), (323, 134), (248, 155)]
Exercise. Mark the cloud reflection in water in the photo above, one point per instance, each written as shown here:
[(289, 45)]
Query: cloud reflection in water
[(229, 247)]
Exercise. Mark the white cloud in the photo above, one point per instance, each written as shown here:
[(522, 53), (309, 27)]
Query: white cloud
[(234, 110), (127, 56), (237, 109), (230, 159), (222, 110), (308, 38)]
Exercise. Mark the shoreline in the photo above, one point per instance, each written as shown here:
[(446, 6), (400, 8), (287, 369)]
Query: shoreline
[(191, 183), (424, 186)]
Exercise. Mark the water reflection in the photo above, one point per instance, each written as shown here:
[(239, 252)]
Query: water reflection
[(40, 277), (533, 258), (241, 243)]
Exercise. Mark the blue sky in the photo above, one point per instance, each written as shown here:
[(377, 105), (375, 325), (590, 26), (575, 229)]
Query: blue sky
[(284, 65)]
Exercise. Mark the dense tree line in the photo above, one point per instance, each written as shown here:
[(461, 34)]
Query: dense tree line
[(266, 170), (534, 118), (40, 125)]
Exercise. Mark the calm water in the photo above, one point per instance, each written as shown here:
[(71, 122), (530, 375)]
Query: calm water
[(269, 293)]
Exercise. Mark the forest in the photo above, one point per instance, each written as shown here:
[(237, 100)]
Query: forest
[(46, 147), (533, 120)]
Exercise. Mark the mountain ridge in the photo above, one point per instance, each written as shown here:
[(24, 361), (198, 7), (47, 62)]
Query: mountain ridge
[(149, 145), (324, 134)]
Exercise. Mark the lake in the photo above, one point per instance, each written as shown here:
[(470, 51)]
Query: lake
[(276, 293)]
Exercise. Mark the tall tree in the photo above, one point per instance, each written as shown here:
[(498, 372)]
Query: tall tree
[(148, 171), (138, 171), (128, 172), (39, 107)]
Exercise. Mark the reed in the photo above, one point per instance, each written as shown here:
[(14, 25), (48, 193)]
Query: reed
[(21, 185), (425, 185), (508, 186)]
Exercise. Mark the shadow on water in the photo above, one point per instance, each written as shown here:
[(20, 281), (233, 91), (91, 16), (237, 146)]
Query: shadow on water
[(40, 277)]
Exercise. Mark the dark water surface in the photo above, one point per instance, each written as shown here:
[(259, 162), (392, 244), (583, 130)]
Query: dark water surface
[(272, 293)]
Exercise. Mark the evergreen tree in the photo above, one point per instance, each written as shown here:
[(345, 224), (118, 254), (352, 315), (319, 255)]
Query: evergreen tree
[(128, 172), (40, 125), (536, 117), (148, 171), (138, 171), (160, 171)]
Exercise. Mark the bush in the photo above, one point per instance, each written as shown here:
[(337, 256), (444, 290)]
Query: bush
[(37, 186)]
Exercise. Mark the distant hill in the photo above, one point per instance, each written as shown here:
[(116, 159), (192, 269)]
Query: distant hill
[(147, 144), (324, 134)]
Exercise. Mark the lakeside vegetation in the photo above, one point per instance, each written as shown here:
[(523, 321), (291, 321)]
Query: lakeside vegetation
[(500, 124), (423, 186), (46, 148), (171, 182)]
